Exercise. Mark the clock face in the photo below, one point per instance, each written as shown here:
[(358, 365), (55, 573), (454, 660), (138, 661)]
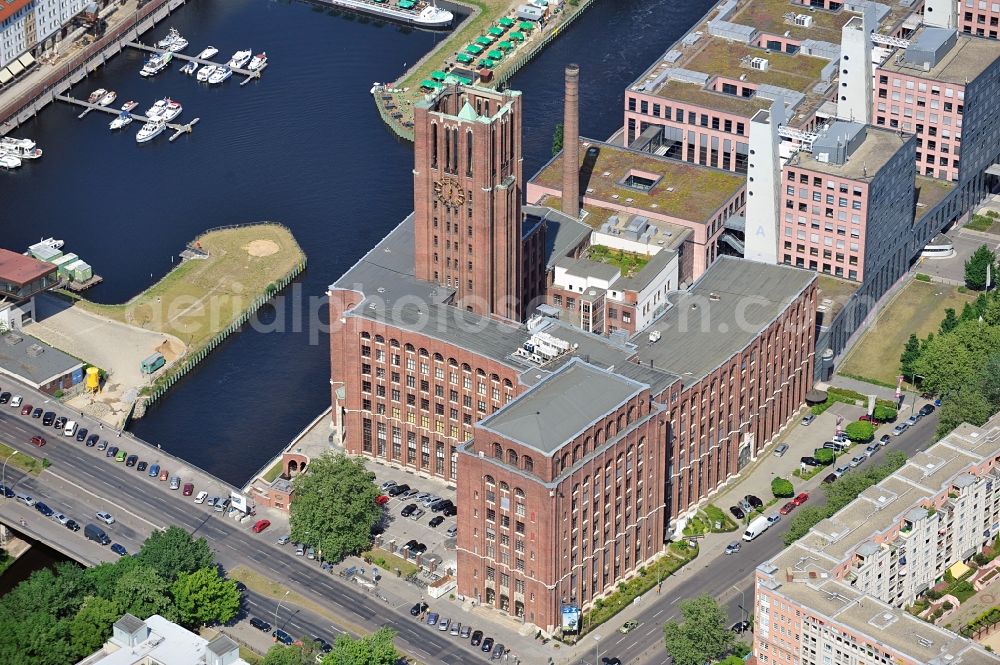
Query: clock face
[(449, 192)]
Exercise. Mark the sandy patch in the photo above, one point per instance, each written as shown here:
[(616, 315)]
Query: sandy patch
[(261, 248), (170, 349)]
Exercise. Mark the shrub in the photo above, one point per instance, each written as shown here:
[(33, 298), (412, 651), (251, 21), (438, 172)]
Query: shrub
[(921, 277), (948, 605), (782, 488), (981, 559), (884, 414), (933, 594), (860, 431), (824, 456)]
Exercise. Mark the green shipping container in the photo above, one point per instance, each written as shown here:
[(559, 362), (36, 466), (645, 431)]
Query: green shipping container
[(152, 363)]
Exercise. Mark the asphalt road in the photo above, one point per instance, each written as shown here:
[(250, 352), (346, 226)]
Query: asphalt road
[(728, 579), (83, 480)]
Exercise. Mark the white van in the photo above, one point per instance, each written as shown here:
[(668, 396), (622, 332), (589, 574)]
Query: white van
[(757, 527), (70, 428), (201, 497)]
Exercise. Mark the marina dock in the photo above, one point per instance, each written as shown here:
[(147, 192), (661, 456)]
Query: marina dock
[(177, 127), (250, 75)]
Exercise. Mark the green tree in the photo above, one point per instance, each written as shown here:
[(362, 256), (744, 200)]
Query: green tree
[(824, 456), (91, 626), (174, 551), (884, 413), (967, 405), (731, 660), (205, 597), (969, 312), (782, 488), (334, 507), (374, 649), (981, 261), (104, 578), (703, 635), (991, 315), (909, 356), (804, 519), (557, 139), (860, 431), (990, 380), (950, 321), (279, 654), (142, 592)]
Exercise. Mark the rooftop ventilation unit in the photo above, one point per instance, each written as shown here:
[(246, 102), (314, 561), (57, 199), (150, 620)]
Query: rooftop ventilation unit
[(542, 347), (35, 350)]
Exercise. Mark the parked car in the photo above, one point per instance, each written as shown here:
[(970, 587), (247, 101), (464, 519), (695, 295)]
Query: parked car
[(435, 521), (62, 519), (300, 549), (409, 493), (417, 514), (456, 626), (15, 401), (926, 410), (92, 440), (48, 418), (7, 492), (118, 549), (450, 511), (111, 452), (773, 518), (283, 540), (175, 482), (164, 475), (386, 485), (5, 397), (261, 525), (382, 499), (311, 553), (103, 445), (841, 470), (809, 460), (733, 547), (202, 495), (781, 450), (419, 548), (105, 517), (788, 507), (829, 478), (37, 413), (26, 409), (857, 460), (418, 609), (899, 429), (754, 502), (452, 531), (260, 625), (835, 446), (885, 439), (37, 441), (740, 627), (441, 505), (808, 420), (498, 651), (444, 623), (432, 619), (487, 645), (477, 638), (131, 460), (800, 499), (283, 637), (44, 509), (408, 509), (154, 471), (188, 489), (737, 512), (72, 525), (396, 490), (60, 423), (81, 434), (628, 627), (141, 466), (465, 632)]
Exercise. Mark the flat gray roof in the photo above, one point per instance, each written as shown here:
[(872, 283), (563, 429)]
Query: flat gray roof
[(33, 360), (723, 312), (649, 272), (561, 406), (588, 268), (562, 232)]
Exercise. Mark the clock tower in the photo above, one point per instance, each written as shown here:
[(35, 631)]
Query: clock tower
[(467, 197)]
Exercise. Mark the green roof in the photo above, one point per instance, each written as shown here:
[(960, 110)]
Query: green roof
[(495, 55), (427, 83), (526, 25), (438, 75), (473, 49), (506, 46), (464, 58), (506, 21), (517, 36), (455, 78), (406, 4), (485, 41), (495, 31), (487, 63)]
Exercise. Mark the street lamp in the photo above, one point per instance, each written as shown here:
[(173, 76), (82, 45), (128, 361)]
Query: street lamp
[(3, 472), (279, 607), (597, 649), (743, 608)]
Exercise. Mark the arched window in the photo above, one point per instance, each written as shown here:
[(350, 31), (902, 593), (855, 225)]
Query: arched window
[(489, 480), (529, 464), (507, 384), (498, 451), (365, 334), (518, 492), (587, 445), (512, 457), (609, 430), (504, 487), (565, 461), (394, 343), (480, 372), (621, 422), (452, 362), (631, 413), (466, 367), (379, 339), (438, 358), (409, 348), (576, 453), (423, 352), (495, 378)]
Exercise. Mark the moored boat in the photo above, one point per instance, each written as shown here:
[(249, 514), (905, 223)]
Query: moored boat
[(129, 105), (220, 74), (172, 111), (189, 68), (208, 53), (9, 161), (258, 61), (96, 95), (150, 131), (178, 45), (413, 12), (108, 99), (240, 58), (123, 119), (157, 109), (206, 72), (172, 36), (156, 64), (20, 148)]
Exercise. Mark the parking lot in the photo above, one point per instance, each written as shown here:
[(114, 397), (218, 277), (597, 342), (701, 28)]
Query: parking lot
[(399, 530)]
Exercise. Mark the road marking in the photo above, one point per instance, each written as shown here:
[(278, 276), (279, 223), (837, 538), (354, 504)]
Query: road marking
[(658, 613), (675, 600), (100, 498)]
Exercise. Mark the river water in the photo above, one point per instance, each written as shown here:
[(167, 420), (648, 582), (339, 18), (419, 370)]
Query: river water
[(303, 146)]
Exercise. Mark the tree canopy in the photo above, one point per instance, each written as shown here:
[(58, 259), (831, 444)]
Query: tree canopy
[(702, 637), (204, 597), (374, 649), (174, 551), (334, 506), (976, 267), (860, 431), (782, 488)]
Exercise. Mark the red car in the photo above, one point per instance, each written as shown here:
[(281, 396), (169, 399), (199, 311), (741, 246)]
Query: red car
[(188, 489), (37, 441), (26, 409), (381, 499), (788, 507), (261, 525), (800, 499)]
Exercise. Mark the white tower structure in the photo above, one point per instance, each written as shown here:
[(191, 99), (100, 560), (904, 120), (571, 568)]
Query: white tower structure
[(940, 14), (763, 186), (854, 98)]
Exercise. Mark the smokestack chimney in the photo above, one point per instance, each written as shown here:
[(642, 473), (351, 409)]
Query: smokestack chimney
[(571, 144)]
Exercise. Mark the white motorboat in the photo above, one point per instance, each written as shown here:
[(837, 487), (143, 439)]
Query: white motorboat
[(129, 105), (96, 95), (258, 62), (206, 72), (108, 99), (150, 131), (189, 68), (417, 13), (157, 109), (178, 45), (156, 64), (208, 53), (220, 74), (240, 58), (172, 111), (172, 36), (124, 118), (9, 161), (20, 148)]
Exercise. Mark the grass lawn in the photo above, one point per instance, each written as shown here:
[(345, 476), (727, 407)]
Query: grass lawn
[(389, 562), (201, 297), (26, 463), (918, 308), (627, 262), (273, 472)]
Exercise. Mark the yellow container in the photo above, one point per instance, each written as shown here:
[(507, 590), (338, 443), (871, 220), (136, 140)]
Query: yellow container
[(93, 380)]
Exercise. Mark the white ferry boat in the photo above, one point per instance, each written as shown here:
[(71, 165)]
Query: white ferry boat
[(150, 131), (413, 12), (172, 36)]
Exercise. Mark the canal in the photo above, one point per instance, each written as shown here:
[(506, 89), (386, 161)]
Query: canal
[(304, 146)]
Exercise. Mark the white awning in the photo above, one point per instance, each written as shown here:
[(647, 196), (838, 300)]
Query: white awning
[(15, 67), (5, 76), (27, 60), (992, 170)]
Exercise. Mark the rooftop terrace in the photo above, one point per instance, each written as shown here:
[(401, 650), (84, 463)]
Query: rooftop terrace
[(768, 17), (684, 191), (965, 61)]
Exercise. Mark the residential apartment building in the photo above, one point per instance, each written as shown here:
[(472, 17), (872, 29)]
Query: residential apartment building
[(157, 640), (836, 595), (979, 17), (846, 199), (941, 88), (29, 26)]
